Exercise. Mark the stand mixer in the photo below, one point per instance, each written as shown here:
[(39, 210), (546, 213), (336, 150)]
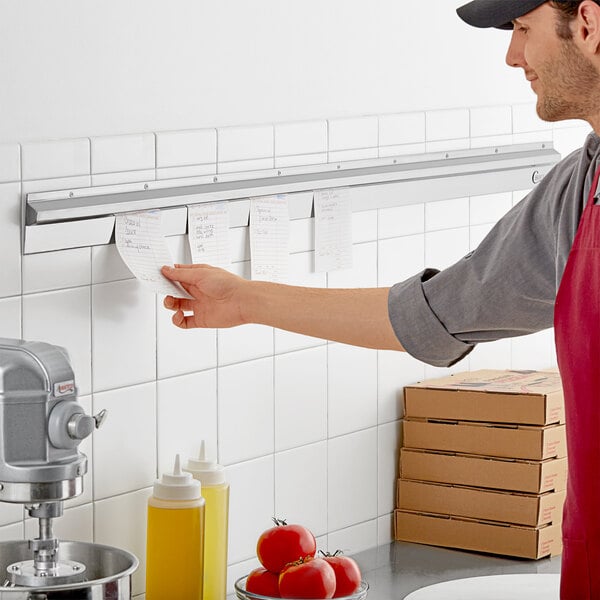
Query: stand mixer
[(41, 427)]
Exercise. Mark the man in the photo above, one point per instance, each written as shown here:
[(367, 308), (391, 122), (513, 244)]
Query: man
[(538, 267)]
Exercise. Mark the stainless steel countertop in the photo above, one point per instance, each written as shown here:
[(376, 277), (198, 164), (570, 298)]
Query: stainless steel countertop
[(395, 570)]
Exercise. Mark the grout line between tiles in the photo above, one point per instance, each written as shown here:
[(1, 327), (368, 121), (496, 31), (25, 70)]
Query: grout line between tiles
[(156, 380)]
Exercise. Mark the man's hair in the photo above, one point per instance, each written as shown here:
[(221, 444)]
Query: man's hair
[(567, 10)]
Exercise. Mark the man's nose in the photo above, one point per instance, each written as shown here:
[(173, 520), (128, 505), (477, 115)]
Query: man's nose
[(514, 55)]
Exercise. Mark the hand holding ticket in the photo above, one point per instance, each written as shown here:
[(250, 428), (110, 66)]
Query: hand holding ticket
[(144, 250)]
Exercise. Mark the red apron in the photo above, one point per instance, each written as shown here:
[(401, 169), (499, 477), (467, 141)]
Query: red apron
[(577, 332)]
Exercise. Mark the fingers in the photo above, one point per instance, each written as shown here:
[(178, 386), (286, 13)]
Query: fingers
[(183, 304), (183, 322), (183, 274), (192, 266)]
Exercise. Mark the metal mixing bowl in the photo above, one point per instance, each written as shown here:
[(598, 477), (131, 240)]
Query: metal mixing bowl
[(108, 572)]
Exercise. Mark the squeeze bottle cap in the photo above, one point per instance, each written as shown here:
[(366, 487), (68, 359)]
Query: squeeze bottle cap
[(209, 472), (177, 485)]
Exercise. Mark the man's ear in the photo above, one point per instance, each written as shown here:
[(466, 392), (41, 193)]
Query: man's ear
[(587, 26)]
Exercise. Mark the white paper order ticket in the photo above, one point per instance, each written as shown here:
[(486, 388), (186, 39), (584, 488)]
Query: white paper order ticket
[(208, 226), (269, 238), (144, 250), (333, 230)]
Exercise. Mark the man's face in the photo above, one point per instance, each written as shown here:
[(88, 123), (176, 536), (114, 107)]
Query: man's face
[(565, 81)]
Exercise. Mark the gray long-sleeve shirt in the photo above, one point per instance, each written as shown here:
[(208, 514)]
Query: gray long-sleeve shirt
[(508, 285)]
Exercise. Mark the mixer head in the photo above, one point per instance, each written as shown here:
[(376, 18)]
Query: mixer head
[(41, 427)]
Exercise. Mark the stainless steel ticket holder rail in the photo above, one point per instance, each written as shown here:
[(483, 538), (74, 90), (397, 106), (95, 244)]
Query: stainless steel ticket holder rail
[(86, 216)]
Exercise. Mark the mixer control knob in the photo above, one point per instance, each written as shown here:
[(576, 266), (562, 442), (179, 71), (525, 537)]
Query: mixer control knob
[(68, 424), (80, 426)]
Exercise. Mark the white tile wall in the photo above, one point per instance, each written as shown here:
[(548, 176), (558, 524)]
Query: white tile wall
[(352, 481), (120, 153), (363, 272), (10, 238), (11, 513), (400, 129), (69, 327), (401, 220), (447, 125), (186, 153), (354, 539), (353, 139), (179, 351), (526, 120), (301, 490), (493, 355), (447, 214), (107, 265), (121, 521), (492, 141), (12, 532), (444, 248), (245, 148), (385, 529), (566, 140), (64, 158), (532, 136), (125, 447), (352, 389), (477, 233), (364, 226), (10, 163), (490, 121), (395, 370), (300, 143), (123, 158), (251, 504), (399, 258), (489, 208), (56, 270), (388, 449), (186, 414), (307, 430), (10, 317), (535, 350), (246, 410), (300, 398), (127, 312), (353, 134)]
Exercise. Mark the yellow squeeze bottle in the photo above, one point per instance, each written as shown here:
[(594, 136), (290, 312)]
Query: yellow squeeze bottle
[(175, 538), (216, 493)]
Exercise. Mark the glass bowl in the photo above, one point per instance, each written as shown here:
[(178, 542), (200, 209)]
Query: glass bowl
[(242, 594)]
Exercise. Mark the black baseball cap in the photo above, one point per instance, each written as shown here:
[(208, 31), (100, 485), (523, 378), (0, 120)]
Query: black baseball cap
[(496, 13)]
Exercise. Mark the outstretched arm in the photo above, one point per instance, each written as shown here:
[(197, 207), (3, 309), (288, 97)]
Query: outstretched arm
[(221, 299)]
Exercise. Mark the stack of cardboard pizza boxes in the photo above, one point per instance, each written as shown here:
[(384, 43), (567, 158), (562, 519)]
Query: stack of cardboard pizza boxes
[(483, 464)]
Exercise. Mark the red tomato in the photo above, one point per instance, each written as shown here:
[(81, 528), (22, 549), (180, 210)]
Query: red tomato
[(263, 582), (284, 544), (309, 578), (347, 574)]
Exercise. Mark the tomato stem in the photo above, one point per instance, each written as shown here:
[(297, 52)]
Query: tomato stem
[(279, 522), (328, 554)]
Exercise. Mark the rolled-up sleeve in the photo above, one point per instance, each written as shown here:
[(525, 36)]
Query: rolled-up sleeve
[(507, 286), (504, 288), (418, 329)]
